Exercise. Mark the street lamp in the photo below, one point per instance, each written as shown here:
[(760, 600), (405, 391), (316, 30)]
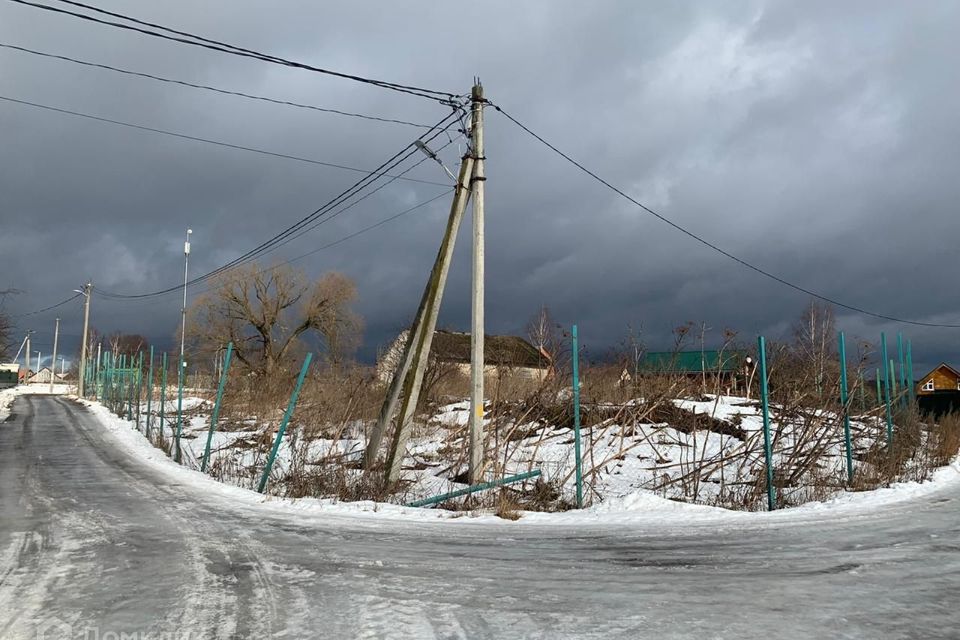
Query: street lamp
[(183, 336), (430, 153)]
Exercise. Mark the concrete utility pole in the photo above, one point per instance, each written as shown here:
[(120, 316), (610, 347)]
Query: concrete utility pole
[(408, 374), (53, 362), (81, 380), (39, 354), (410, 371), (28, 353), (477, 331)]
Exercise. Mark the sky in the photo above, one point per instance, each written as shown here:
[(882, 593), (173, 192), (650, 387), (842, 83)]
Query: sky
[(816, 140)]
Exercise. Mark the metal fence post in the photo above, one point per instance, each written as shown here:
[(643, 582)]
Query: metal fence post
[(847, 438), (765, 407), (216, 406), (576, 416), (163, 392), (149, 394), (903, 371), (910, 380), (886, 386), (283, 423)]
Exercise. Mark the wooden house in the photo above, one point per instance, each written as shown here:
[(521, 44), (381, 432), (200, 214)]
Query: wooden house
[(452, 348), (943, 378)]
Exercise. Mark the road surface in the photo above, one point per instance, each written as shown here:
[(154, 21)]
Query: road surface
[(94, 544)]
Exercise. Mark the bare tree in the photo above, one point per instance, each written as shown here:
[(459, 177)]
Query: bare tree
[(6, 329), (545, 335), (815, 340), (266, 312)]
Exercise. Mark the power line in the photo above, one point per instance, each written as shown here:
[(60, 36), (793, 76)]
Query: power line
[(50, 308), (297, 228), (215, 45), (709, 244), (210, 88), (329, 245), (219, 143)]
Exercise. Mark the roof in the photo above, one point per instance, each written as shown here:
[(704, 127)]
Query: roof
[(691, 361), (942, 365), (510, 351)]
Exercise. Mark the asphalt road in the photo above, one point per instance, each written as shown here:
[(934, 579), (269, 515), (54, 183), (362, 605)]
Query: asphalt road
[(102, 546)]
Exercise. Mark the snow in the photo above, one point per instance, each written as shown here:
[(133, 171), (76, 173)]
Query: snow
[(633, 509)]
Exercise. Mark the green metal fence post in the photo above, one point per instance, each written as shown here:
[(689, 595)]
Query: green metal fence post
[(149, 394), (886, 386), (139, 378), (910, 380), (576, 417), (181, 372), (483, 486), (163, 392), (903, 371), (765, 407), (283, 423), (216, 406), (847, 438)]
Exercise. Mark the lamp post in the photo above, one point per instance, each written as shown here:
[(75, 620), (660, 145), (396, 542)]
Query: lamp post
[(181, 368)]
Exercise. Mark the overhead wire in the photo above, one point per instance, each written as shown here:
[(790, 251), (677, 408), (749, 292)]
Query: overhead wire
[(711, 245), (45, 309), (324, 247), (205, 87), (188, 38), (298, 228), (192, 138)]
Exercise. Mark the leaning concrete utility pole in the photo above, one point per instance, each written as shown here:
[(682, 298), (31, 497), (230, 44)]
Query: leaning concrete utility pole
[(28, 355), (53, 362), (410, 370), (476, 333), (81, 380)]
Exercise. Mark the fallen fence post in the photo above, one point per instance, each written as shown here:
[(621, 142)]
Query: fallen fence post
[(216, 406), (765, 407), (283, 424), (483, 486), (576, 417), (847, 438)]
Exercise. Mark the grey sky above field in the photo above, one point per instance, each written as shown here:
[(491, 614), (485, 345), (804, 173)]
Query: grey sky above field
[(818, 140)]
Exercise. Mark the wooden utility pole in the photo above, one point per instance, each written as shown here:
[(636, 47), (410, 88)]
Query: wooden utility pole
[(53, 362), (476, 333), (81, 381)]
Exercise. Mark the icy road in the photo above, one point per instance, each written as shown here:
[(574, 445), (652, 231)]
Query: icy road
[(95, 544)]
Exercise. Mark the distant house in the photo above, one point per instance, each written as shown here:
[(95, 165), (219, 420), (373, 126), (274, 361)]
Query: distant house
[(500, 354), (43, 376), (943, 378), (938, 392), (730, 368)]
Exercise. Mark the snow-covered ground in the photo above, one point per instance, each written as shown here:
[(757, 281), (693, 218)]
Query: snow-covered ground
[(632, 506)]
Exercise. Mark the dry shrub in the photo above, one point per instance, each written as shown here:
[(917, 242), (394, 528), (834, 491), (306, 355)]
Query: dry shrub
[(945, 437)]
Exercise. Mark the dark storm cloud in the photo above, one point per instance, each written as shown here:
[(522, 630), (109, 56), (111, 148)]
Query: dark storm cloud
[(818, 140)]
